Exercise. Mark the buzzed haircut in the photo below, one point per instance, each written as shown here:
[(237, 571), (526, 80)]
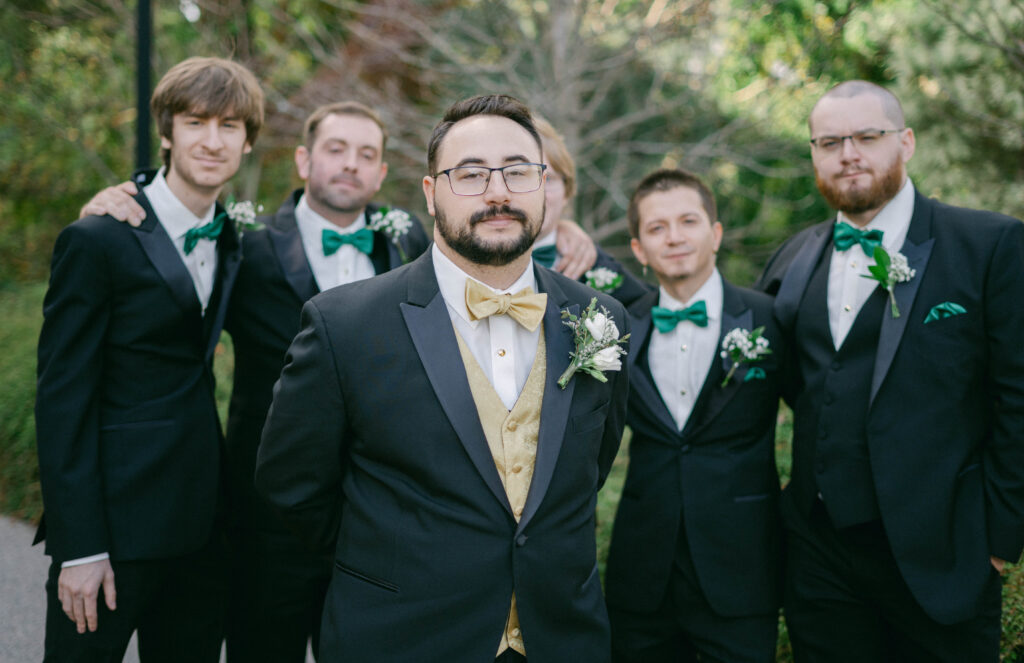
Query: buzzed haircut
[(207, 87), (890, 104), (341, 108), (667, 179), (557, 154), (501, 105)]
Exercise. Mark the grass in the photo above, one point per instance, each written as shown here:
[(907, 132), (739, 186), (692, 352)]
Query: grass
[(19, 474)]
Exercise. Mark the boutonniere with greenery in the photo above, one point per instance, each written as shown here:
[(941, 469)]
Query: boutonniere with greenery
[(603, 279), (598, 346), (394, 223), (243, 213), (888, 271), (744, 346)]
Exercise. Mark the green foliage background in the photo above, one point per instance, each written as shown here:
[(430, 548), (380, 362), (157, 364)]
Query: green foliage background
[(722, 87)]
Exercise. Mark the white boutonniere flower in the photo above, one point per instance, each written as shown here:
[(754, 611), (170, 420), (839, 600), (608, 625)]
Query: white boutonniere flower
[(243, 214), (888, 271), (394, 223), (598, 345), (603, 279), (743, 346)]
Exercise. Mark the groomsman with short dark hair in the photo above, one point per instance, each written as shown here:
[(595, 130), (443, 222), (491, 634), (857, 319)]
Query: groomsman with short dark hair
[(693, 567)]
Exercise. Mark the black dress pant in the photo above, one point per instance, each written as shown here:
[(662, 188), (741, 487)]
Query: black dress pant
[(685, 628), (176, 605), (845, 600), (277, 597)]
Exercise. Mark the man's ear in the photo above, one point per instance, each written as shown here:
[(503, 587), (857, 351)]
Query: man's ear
[(638, 251), (302, 162), (165, 142), (247, 148), (383, 174), (716, 228), (428, 192)]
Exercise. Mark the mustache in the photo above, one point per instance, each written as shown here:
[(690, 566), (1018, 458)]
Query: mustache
[(495, 211)]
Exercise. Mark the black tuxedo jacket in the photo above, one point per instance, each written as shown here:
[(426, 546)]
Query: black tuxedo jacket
[(373, 439), (126, 425), (631, 288), (716, 478), (273, 283), (945, 416)]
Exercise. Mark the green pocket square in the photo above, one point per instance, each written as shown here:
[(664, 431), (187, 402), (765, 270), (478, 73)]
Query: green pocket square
[(754, 373), (944, 310)]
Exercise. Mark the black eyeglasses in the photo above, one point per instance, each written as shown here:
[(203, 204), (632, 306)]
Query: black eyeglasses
[(473, 180), (861, 140)]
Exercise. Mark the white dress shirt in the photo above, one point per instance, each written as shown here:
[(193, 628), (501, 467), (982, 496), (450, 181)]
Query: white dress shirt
[(346, 265), (503, 348), (848, 290), (177, 220), (680, 359)]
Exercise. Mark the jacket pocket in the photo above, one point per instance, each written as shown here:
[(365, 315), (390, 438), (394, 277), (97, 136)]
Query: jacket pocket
[(376, 582)]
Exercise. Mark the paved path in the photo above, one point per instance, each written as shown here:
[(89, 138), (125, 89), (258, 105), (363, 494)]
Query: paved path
[(23, 596)]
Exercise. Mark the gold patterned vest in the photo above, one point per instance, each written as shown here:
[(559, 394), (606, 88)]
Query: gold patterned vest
[(512, 438)]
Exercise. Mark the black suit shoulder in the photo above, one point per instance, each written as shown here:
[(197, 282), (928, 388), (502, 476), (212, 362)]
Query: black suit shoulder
[(775, 270)]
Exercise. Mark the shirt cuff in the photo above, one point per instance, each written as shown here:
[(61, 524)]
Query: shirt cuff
[(85, 560)]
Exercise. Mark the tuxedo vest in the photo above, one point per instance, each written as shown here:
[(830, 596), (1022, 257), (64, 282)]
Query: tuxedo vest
[(512, 438), (831, 415)]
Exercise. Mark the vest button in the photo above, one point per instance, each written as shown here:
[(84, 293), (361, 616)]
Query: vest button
[(511, 425), (517, 468), (518, 511)]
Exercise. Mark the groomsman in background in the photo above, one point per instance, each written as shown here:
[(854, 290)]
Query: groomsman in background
[(907, 492), (324, 235), (127, 428), (694, 562)]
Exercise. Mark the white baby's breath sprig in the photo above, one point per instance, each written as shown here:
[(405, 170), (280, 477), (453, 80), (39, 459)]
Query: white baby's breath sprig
[(598, 345), (394, 223), (742, 345), (603, 279), (243, 213), (889, 270)]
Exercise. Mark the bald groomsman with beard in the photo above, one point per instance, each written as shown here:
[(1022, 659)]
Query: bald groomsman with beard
[(419, 424), (907, 491)]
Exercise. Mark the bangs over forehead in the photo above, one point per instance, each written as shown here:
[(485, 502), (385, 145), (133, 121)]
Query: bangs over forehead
[(209, 87)]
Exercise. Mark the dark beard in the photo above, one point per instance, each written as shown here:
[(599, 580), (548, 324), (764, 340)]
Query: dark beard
[(466, 243), (336, 202), (882, 190)]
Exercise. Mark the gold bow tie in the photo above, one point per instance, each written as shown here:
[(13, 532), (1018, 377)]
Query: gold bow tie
[(524, 307)]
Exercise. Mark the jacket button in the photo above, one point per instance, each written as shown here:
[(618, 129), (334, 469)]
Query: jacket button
[(521, 540)]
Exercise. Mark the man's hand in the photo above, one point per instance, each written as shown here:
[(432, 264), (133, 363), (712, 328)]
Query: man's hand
[(577, 252), (116, 201), (78, 588), (998, 564)]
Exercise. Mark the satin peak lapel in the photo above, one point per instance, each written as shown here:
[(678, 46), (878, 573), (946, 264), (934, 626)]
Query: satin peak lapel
[(791, 290), (640, 381), (892, 328), (430, 325), (288, 245), (713, 396), (159, 248), (555, 406)]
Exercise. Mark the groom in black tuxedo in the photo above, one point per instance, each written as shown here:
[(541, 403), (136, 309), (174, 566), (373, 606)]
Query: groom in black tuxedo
[(419, 426), (693, 567), (130, 448), (907, 494)]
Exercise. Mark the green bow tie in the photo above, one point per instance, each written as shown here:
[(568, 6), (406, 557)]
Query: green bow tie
[(844, 236), (665, 319), (546, 255), (210, 231), (362, 239)]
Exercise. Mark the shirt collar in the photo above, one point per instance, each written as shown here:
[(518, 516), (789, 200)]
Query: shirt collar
[(170, 211), (306, 216), (451, 280), (711, 292), (546, 240), (893, 219)]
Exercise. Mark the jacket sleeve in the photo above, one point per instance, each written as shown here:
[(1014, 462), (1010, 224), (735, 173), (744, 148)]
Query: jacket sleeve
[(1003, 456), (76, 314), (300, 462)]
